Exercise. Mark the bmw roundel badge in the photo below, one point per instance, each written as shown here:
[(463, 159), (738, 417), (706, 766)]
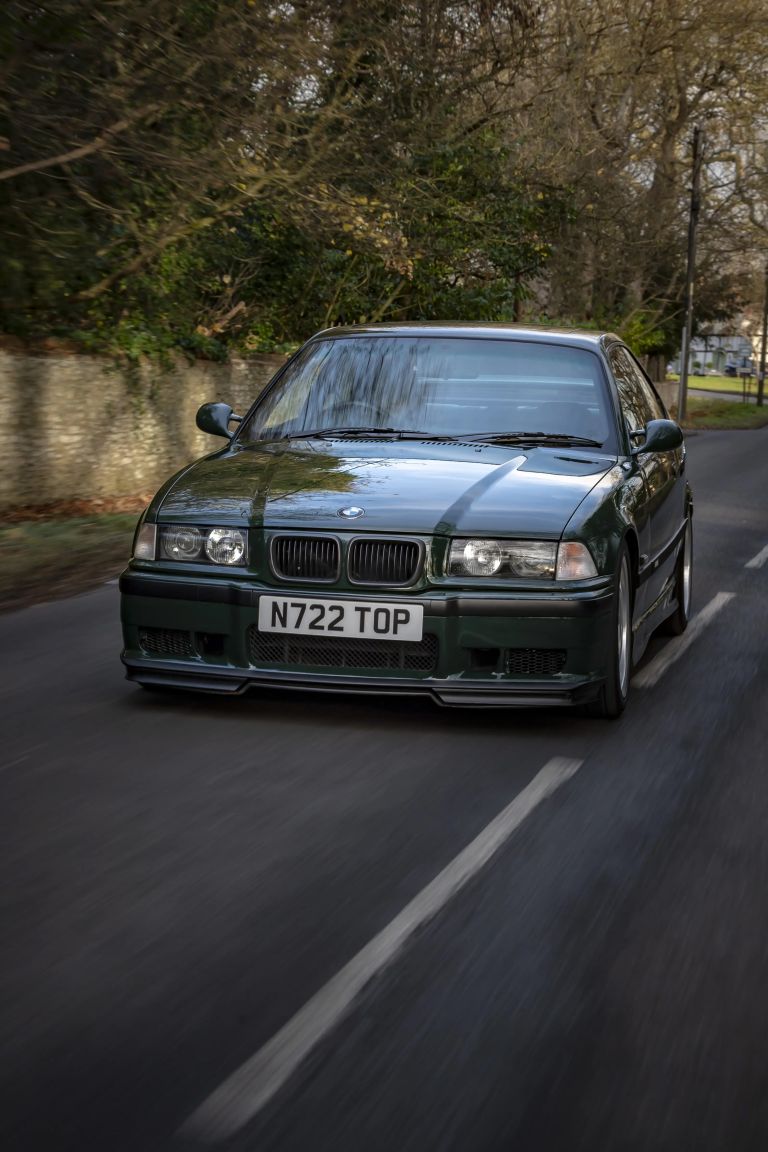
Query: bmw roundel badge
[(351, 513)]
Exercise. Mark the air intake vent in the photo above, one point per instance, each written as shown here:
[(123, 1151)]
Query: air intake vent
[(535, 661), (166, 642), (341, 652), (377, 561), (313, 558), (453, 443)]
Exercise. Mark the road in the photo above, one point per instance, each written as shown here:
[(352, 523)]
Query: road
[(182, 876)]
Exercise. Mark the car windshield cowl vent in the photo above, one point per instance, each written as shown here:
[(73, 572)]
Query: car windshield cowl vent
[(453, 443)]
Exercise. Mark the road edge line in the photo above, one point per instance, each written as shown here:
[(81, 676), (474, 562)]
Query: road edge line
[(653, 672)]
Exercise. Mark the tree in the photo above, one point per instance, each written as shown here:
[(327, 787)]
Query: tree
[(617, 89), (153, 149)]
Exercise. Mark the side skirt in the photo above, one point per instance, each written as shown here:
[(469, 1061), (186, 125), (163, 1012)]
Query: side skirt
[(663, 606)]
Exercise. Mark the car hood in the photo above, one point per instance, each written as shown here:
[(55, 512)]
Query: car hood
[(413, 487)]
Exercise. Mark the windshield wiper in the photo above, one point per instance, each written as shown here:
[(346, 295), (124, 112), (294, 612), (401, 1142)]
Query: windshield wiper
[(555, 438), (397, 433), (533, 438)]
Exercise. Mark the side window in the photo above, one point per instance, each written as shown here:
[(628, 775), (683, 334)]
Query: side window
[(656, 406), (634, 394)]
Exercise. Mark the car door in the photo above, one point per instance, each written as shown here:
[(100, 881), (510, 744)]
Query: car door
[(662, 475)]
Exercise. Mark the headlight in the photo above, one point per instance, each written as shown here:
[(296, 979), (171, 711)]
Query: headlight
[(520, 559), (516, 559), (478, 557), (182, 543), (227, 546)]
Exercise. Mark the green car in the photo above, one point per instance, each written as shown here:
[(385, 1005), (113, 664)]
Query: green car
[(485, 514)]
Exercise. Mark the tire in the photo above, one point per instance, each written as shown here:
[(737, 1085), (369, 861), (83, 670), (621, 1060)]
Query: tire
[(677, 623), (614, 693)]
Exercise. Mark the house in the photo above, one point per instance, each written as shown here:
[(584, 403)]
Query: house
[(721, 353)]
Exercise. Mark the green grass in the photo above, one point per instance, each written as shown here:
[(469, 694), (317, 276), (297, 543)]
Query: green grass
[(47, 559), (721, 384), (703, 413)]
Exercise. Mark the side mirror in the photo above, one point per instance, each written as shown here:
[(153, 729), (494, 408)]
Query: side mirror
[(216, 418), (660, 436)]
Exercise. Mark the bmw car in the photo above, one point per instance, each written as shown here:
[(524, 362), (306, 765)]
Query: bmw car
[(482, 514)]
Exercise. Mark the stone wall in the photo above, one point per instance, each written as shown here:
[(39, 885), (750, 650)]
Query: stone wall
[(668, 391), (76, 427)]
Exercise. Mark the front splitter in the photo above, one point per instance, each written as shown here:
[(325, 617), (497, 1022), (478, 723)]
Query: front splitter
[(449, 693)]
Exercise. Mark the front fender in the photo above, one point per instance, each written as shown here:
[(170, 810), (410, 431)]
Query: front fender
[(613, 510)]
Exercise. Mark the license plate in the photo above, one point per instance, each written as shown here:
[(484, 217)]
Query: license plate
[(354, 618)]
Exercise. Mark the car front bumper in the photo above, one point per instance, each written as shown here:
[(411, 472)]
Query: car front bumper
[(475, 631)]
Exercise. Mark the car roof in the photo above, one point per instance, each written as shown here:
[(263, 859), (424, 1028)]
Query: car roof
[(586, 338)]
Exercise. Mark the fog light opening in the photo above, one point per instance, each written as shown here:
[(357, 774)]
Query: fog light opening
[(484, 658), (210, 643)]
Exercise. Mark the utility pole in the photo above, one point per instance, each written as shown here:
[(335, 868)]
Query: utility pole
[(693, 221), (761, 377)]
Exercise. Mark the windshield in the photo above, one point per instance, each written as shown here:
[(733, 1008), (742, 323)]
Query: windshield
[(438, 386)]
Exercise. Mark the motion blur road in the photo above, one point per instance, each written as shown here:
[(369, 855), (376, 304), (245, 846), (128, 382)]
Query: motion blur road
[(181, 875)]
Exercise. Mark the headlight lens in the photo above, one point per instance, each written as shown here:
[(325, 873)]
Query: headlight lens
[(521, 559), (228, 546), (183, 542), (225, 546), (479, 557), (515, 559)]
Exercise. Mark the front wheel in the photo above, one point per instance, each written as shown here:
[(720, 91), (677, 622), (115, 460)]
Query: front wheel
[(615, 691), (677, 623)]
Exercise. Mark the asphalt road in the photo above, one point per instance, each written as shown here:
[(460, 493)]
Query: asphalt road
[(182, 875)]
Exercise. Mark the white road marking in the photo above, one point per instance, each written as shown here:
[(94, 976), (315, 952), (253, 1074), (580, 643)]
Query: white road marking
[(759, 560), (13, 763), (255, 1082), (20, 759), (654, 671)]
